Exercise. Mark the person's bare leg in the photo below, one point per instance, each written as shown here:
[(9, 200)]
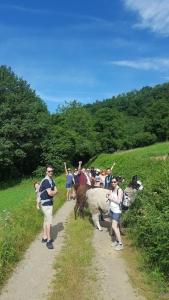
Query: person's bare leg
[(115, 227), (68, 194), (44, 231), (48, 231)]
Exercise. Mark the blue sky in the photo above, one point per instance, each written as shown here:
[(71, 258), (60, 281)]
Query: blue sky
[(85, 50)]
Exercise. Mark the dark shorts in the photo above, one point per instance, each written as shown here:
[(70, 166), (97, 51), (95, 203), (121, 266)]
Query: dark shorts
[(69, 185), (114, 216)]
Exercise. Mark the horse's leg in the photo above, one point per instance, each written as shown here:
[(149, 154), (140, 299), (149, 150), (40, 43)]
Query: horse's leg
[(81, 210), (95, 218), (75, 210), (101, 215)]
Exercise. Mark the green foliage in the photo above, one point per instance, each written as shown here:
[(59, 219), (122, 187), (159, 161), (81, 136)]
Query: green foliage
[(71, 138), (135, 119), (148, 218), (23, 123)]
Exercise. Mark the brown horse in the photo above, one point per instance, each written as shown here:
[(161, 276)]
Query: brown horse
[(81, 198)]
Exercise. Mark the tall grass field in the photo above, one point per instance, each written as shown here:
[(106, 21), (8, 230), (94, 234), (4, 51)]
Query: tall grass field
[(148, 219), (20, 221)]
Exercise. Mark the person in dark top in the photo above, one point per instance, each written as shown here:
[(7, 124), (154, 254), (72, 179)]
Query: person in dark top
[(109, 177), (76, 176), (93, 172), (47, 191)]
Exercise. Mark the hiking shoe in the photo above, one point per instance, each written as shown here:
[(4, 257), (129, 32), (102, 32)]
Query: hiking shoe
[(115, 243), (44, 240), (119, 247), (49, 245)]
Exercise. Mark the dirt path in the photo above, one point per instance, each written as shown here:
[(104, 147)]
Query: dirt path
[(33, 275), (113, 281)]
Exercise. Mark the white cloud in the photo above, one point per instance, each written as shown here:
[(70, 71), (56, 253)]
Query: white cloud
[(159, 64), (154, 14)]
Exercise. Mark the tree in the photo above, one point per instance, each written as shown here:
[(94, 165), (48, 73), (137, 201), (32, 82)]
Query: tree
[(23, 125), (72, 135)]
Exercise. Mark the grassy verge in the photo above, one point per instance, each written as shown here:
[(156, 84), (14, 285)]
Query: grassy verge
[(151, 285), (20, 222), (73, 277)]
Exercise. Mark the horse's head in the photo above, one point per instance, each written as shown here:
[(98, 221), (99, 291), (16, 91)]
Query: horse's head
[(120, 179), (136, 183)]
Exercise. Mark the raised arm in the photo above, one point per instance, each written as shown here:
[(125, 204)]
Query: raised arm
[(79, 166), (66, 172), (112, 166)]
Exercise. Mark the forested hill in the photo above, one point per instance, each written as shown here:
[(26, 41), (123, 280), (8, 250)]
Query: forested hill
[(139, 117), (31, 137)]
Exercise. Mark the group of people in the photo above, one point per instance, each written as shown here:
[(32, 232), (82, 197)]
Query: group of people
[(99, 179), (46, 190), (86, 176)]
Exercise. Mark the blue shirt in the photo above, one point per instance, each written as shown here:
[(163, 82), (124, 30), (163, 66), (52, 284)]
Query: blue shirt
[(47, 183), (69, 178)]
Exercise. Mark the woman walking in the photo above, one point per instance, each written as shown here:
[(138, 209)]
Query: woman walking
[(115, 198)]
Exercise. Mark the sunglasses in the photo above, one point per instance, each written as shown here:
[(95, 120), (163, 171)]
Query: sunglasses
[(114, 182), (51, 171)]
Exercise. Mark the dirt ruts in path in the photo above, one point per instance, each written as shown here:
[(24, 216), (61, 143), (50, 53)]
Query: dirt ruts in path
[(33, 275), (112, 278)]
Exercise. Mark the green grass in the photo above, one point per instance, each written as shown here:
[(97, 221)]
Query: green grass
[(20, 222), (73, 275)]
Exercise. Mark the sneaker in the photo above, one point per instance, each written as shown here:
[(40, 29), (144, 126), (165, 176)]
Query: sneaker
[(49, 245), (119, 247), (115, 243), (44, 240)]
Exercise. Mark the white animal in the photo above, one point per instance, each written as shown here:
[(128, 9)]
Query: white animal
[(97, 199)]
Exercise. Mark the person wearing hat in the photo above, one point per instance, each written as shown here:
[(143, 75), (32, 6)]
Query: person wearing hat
[(69, 182)]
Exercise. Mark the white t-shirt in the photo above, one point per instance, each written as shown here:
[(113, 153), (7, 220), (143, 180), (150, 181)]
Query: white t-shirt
[(115, 198)]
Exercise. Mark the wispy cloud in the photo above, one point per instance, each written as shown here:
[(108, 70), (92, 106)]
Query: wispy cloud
[(159, 64), (74, 21), (24, 8), (154, 14)]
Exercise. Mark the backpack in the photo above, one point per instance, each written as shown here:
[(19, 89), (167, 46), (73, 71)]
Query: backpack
[(125, 203)]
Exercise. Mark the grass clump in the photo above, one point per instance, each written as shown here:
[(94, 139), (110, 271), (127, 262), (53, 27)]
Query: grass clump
[(72, 267)]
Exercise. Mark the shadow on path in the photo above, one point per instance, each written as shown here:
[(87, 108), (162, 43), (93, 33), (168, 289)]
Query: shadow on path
[(56, 229)]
